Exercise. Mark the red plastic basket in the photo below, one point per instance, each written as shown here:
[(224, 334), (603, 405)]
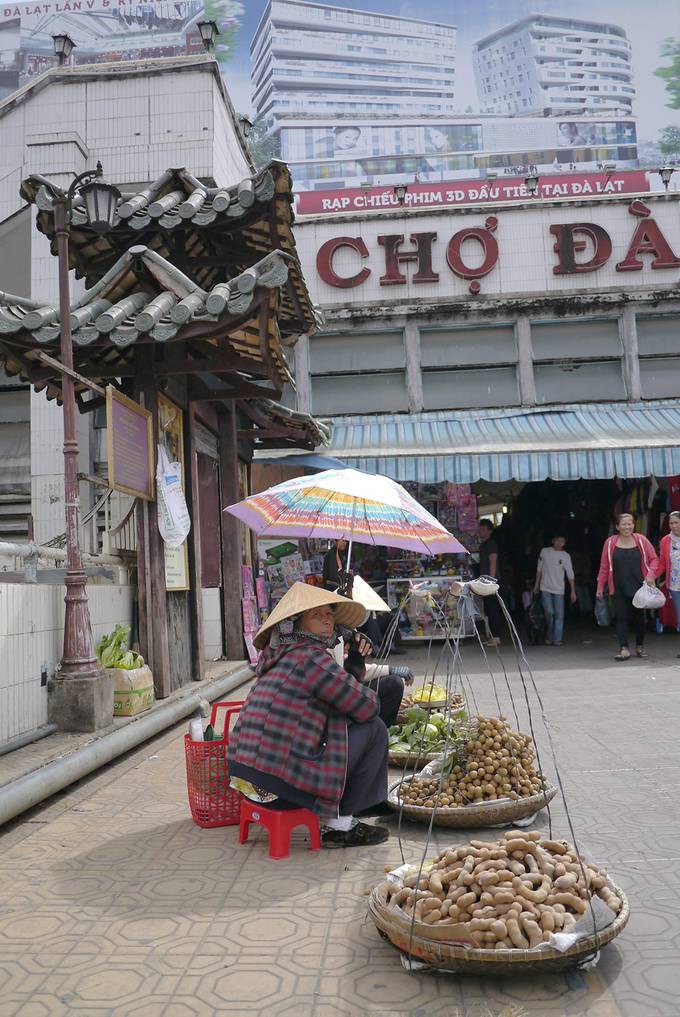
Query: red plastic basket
[(212, 801)]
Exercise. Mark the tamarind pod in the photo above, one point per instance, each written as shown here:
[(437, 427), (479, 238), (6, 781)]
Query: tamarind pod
[(454, 894), (525, 846), (435, 884), (547, 920), (490, 845), (569, 922), (480, 910), (522, 835), (450, 874), (411, 880), (533, 878), (559, 908), (487, 898), (502, 909), (516, 936), (503, 944), (499, 928), (505, 897), (399, 898), (559, 920), (555, 847), (545, 862), (475, 888), (445, 907), (424, 883), (465, 901), (506, 875), (538, 896), (468, 878), (490, 939), (480, 924), (432, 916), (518, 856), (531, 863), (569, 900), (546, 936), (517, 868), (488, 878), (560, 869), (532, 931), (446, 921)]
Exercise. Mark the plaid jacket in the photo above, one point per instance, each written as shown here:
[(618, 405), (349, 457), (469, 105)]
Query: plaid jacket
[(293, 724)]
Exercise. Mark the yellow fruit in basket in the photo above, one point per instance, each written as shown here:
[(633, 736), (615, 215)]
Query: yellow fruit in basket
[(429, 694)]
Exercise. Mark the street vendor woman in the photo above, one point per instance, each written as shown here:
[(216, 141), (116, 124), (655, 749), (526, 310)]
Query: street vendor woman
[(309, 734)]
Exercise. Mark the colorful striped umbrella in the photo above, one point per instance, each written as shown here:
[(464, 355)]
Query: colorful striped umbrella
[(365, 507)]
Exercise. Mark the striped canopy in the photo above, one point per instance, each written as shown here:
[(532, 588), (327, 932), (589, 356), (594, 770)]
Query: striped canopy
[(364, 507)]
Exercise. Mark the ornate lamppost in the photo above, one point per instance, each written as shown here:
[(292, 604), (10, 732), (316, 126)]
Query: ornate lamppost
[(81, 697)]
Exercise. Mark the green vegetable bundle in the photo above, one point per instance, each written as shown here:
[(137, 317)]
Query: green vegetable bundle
[(425, 731), (112, 650)]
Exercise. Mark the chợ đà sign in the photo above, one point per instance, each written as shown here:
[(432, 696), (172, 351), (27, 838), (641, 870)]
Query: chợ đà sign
[(472, 252)]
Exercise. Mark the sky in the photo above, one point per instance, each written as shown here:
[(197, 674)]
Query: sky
[(647, 25)]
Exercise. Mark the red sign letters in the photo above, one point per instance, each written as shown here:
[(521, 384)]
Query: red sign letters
[(580, 247)]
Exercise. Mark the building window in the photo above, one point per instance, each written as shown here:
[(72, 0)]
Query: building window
[(359, 372), (469, 367), (577, 361), (659, 352)]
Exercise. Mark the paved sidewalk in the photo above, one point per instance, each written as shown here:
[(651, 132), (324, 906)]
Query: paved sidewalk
[(114, 904)]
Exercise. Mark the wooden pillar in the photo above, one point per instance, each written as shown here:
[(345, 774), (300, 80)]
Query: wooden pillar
[(153, 618), (195, 592), (231, 537)]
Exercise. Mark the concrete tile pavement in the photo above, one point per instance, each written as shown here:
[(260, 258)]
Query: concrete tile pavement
[(114, 904)]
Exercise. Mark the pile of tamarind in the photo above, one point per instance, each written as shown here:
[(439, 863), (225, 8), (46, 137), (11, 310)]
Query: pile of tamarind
[(511, 893)]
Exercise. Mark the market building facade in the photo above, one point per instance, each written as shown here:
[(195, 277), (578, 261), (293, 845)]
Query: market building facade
[(528, 351)]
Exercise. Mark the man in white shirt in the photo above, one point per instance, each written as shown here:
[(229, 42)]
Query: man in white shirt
[(554, 566)]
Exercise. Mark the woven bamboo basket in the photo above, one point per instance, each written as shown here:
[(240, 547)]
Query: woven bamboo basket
[(469, 817), (437, 953), (411, 758)]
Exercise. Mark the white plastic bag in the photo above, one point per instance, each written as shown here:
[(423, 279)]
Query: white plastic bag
[(174, 521), (649, 597)]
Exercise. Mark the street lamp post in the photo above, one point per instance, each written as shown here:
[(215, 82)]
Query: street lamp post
[(80, 699)]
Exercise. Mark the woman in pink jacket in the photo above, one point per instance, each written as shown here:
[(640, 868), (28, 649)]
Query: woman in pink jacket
[(627, 560), (669, 561)]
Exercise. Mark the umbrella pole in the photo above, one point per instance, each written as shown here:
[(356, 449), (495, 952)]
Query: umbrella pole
[(349, 555)]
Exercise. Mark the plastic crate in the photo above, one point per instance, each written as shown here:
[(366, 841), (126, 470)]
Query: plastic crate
[(211, 800)]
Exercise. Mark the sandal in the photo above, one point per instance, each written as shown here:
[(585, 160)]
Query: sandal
[(623, 654), (361, 835), (641, 652)]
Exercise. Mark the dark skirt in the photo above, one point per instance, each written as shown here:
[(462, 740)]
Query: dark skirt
[(366, 781)]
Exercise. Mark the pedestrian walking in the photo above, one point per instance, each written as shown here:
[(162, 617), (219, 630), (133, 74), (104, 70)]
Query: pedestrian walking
[(669, 562), (554, 568), (627, 560), (489, 565)]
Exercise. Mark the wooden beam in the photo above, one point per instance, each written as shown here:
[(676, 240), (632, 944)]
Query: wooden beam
[(151, 553), (89, 405), (231, 537), (220, 363), (62, 369), (200, 392), (255, 433), (194, 546)]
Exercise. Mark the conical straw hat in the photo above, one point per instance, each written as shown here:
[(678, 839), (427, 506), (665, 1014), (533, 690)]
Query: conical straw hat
[(302, 597), (366, 595)]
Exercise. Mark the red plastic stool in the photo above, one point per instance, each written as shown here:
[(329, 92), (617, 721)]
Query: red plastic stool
[(279, 823)]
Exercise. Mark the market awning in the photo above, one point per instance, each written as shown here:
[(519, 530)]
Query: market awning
[(565, 443)]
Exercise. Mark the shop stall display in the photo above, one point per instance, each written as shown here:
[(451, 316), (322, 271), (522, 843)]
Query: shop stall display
[(427, 608), (505, 906)]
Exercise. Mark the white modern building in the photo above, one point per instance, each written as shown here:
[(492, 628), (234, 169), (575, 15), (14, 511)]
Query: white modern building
[(554, 65), (309, 57)]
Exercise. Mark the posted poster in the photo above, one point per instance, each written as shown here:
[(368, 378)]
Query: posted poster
[(130, 446), (171, 436)]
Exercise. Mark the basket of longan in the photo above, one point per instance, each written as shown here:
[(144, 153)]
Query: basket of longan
[(491, 781)]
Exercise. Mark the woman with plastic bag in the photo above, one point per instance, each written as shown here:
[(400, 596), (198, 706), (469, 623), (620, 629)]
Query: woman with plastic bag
[(669, 562), (628, 559)]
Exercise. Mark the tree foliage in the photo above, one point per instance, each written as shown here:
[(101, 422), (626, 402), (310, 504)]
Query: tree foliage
[(669, 141), (671, 74), (263, 146)]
